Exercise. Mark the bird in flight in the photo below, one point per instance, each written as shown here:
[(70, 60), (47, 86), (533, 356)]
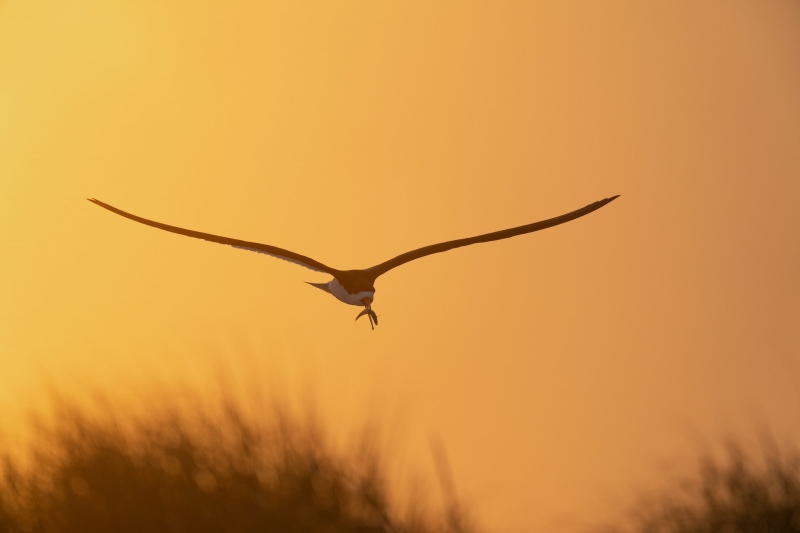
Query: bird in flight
[(357, 287)]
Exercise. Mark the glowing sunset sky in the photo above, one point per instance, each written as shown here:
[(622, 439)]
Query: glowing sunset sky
[(559, 368)]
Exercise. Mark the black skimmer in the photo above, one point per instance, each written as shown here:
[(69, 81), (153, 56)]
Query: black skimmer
[(357, 287)]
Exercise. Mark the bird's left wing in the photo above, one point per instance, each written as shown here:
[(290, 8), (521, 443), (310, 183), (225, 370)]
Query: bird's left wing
[(274, 251), (384, 267)]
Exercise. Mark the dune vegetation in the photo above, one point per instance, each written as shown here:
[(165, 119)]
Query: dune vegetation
[(200, 469), (201, 466), (736, 488)]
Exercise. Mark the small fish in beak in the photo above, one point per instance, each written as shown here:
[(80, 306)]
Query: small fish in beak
[(372, 316), (367, 302)]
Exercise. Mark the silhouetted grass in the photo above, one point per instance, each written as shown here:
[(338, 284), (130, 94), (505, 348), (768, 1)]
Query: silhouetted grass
[(733, 491), (202, 467), (200, 470)]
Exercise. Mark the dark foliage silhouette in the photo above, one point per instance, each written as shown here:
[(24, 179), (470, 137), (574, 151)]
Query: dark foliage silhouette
[(198, 471), (734, 491)]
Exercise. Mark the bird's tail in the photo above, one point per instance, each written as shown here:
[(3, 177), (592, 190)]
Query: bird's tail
[(323, 286)]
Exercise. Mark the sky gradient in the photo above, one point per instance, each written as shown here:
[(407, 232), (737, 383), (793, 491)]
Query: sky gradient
[(560, 368)]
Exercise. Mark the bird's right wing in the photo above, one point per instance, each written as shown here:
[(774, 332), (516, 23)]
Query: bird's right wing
[(274, 251), (384, 267)]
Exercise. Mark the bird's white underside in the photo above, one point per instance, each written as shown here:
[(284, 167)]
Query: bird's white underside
[(334, 286), (342, 295), (295, 261)]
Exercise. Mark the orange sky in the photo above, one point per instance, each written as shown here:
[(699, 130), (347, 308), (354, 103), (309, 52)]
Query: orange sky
[(560, 368)]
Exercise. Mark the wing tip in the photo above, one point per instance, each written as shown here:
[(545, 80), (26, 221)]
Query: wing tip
[(605, 201), (102, 204)]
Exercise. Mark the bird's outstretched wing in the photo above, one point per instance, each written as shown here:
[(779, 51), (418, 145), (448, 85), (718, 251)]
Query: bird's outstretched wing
[(274, 251), (384, 267)]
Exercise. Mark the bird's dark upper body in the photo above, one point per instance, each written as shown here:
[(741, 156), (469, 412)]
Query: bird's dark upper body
[(355, 281)]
